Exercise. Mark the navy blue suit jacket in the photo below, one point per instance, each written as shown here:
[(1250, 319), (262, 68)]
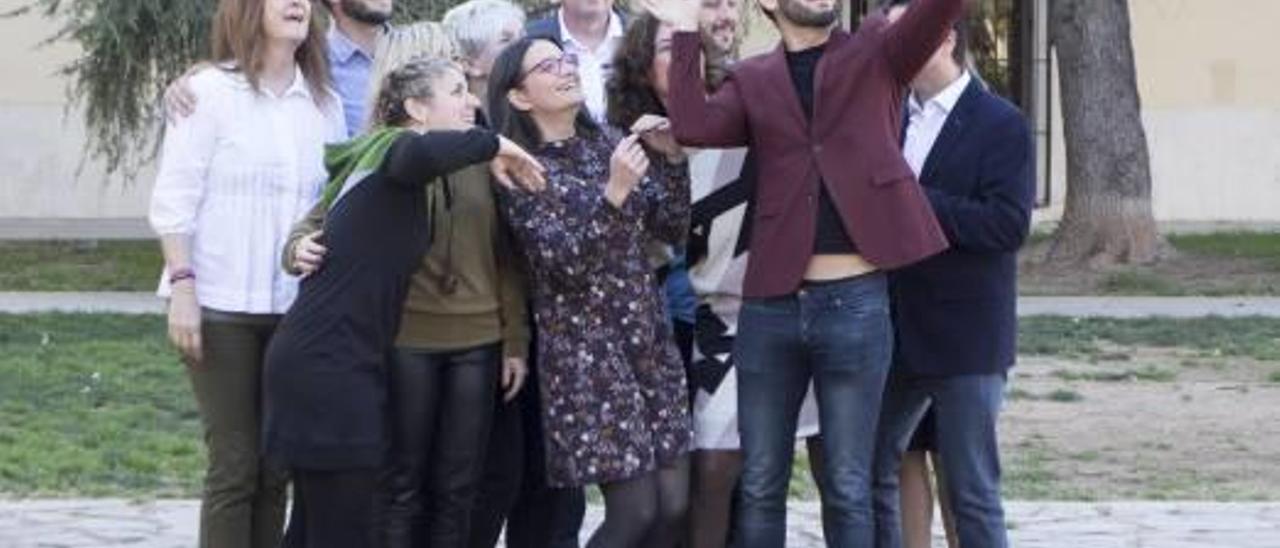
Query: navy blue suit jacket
[(956, 313), (549, 27)]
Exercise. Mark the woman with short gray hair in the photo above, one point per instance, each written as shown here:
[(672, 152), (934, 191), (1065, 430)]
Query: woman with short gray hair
[(482, 29)]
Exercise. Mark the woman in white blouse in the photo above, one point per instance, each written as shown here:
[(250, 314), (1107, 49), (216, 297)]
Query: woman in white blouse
[(233, 177)]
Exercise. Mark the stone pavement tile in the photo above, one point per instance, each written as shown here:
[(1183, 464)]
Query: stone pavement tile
[(21, 302), (94, 523), (1144, 307), (108, 523), (129, 228)]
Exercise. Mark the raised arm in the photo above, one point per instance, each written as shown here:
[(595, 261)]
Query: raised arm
[(699, 120), (912, 39), (416, 159), (997, 216)]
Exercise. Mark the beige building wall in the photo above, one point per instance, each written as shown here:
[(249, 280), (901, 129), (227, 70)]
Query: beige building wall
[(42, 146), (1209, 80), (1210, 83), (1207, 72)]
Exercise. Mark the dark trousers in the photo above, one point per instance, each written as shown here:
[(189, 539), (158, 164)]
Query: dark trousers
[(442, 410), (543, 516), (333, 509), (243, 503), (965, 409), (514, 488), (503, 473), (839, 335)]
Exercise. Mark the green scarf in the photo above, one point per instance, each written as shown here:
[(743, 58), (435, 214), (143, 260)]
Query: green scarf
[(350, 161)]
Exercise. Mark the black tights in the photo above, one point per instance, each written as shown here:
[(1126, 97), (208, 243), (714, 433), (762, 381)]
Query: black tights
[(715, 477), (442, 410), (332, 509), (647, 511)]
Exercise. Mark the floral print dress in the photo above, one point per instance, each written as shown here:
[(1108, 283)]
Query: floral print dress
[(614, 401)]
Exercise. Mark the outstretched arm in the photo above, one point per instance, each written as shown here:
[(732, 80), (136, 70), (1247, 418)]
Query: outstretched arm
[(418, 158), (911, 40), (698, 120), (422, 158)]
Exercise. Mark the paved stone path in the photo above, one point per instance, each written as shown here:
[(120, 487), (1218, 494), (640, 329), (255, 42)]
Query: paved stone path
[(22, 302), (1102, 307), (124, 228), (109, 523), (136, 228), (1139, 307)]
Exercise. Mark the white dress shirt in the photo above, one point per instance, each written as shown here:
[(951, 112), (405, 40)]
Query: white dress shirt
[(925, 122), (594, 66), (235, 175)]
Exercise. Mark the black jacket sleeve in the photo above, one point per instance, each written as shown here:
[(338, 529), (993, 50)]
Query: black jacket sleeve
[(417, 159)]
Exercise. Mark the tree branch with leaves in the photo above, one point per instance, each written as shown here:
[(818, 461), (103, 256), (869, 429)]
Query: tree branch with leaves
[(131, 50)]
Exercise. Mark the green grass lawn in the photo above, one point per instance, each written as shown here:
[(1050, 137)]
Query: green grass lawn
[(80, 266), (1211, 264), (94, 405), (97, 405), (1257, 338), (1263, 246)]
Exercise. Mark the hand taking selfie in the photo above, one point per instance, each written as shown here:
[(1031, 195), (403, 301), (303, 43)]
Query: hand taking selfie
[(681, 14)]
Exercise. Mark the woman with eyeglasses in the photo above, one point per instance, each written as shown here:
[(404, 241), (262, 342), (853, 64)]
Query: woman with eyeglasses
[(614, 399)]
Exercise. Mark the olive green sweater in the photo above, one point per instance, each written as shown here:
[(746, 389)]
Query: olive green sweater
[(469, 289)]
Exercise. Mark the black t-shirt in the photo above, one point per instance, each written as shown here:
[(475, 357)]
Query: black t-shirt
[(830, 237)]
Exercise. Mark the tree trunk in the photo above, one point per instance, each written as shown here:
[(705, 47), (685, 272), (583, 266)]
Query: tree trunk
[(1108, 217)]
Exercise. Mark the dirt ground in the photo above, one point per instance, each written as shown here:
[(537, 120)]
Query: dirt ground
[(1151, 424), (1182, 274)]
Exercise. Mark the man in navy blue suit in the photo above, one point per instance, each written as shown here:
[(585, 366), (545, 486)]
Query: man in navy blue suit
[(955, 313)]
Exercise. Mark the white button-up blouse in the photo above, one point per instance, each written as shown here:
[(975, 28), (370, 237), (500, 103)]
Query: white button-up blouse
[(235, 175)]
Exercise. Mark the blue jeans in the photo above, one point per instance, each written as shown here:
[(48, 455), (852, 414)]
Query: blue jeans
[(965, 411), (838, 334)]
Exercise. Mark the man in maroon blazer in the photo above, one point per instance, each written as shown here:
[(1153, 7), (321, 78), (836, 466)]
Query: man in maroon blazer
[(835, 205)]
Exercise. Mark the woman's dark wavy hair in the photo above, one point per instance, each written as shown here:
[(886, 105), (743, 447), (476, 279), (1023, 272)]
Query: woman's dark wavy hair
[(509, 121), (630, 90)]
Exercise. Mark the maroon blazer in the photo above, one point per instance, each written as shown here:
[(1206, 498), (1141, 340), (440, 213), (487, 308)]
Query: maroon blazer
[(851, 144)]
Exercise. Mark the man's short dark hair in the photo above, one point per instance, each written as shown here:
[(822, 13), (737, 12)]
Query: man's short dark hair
[(961, 52)]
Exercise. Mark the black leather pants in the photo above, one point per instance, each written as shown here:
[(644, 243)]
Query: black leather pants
[(441, 412)]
